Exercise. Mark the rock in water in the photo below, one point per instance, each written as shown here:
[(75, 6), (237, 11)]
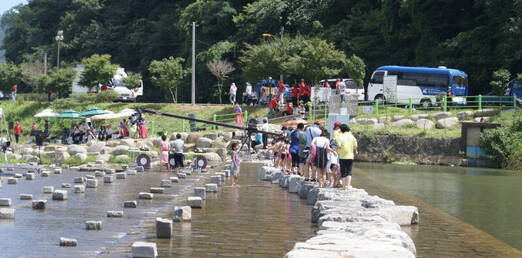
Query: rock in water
[(144, 249), (182, 213)]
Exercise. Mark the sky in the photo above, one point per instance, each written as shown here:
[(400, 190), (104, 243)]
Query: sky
[(7, 4)]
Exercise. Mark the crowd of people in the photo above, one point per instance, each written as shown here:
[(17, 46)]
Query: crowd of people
[(316, 155)]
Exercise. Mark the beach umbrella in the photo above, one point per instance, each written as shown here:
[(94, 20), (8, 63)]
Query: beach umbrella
[(126, 112), (46, 113), (107, 116), (294, 123), (93, 111), (69, 114)]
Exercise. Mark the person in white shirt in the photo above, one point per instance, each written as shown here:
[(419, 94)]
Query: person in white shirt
[(332, 166), (321, 144), (232, 92)]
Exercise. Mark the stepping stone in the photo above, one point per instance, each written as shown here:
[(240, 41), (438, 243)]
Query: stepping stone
[(212, 188), (216, 180), (45, 174), (79, 180), (121, 175), (48, 189), (195, 201), (144, 249), (26, 196), (182, 175), (146, 196), (182, 213), (108, 179), (93, 225), (57, 171), (6, 202), (201, 192), (66, 185), (99, 174), (79, 188), (130, 204), (68, 241), (222, 175), (12, 181), (131, 172), (163, 228), (158, 190), (140, 169), (114, 214), (166, 183), (90, 177), (30, 176), (92, 183), (7, 213), (60, 195), (174, 179), (39, 204), (18, 175)]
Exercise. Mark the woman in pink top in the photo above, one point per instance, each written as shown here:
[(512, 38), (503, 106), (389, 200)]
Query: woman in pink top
[(164, 154)]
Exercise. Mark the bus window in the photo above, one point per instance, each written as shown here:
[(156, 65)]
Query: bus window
[(378, 77), (516, 84), (350, 84)]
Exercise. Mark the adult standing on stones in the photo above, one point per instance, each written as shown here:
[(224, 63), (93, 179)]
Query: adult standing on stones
[(17, 130), (232, 93), (164, 152), (124, 131), (347, 150), (265, 127), (177, 147), (321, 144), (311, 132), (295, 147)]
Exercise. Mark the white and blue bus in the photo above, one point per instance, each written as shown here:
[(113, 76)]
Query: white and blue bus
[(397, 84)]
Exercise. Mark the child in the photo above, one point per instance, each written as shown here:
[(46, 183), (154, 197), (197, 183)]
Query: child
[(234, 169), (332, 166)]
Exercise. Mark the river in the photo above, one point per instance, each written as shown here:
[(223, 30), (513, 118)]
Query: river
[(464, 211)]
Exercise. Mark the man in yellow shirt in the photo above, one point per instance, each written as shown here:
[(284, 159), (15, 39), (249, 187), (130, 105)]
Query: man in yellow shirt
[(347, 150)]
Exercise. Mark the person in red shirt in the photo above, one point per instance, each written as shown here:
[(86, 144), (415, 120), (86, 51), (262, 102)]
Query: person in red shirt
[(302, 83), (295, 95), (272, 107), (337, 85), (326, 84), (289, 110), (17, 130), (281, 89)]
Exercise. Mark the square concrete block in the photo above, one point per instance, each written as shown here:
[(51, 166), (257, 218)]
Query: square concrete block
[(48, 189), (182, 213), (108, 179), (68, 241), (144, 250), (114, 214), (66, 185), (227, 173), (166, 183), (7, 213), (92, 183), (12, 181), (157, 190), (6, 202), (182, 175), (90, 177), (131, 172), (57, 171), (60, 195), (121, 175), (39, 204), (30, 176), (99, 174), (140, 169), (201, 192), (26, 196), (79, 180), (93, 225), (45, 174), (174, 179), (195, 201), (146, 196), (222, 175), (109, 171), (124, 167), (212, 188), (79, 188), (163, 228), (216, 180), (130, 204), (18, 175)]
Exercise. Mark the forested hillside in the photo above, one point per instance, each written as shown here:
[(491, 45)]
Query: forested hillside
[(477, 36)]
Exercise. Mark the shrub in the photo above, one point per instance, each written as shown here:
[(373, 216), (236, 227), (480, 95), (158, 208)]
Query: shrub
[(114, 159), (504, 144)]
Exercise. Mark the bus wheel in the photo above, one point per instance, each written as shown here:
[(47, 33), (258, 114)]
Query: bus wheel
[(380, 98), (425, 103)]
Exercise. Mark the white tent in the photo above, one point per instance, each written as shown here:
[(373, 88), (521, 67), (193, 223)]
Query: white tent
[(127, 112), (46, 113), (122, 114)]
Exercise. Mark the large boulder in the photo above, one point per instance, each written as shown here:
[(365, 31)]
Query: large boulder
[(419, 116), (379, 126), (211, 156), (203, 142), (106, 150), (463, 115), (227, 136), (447, 122), (128, 142), (367, 121), (403, 122), (96, 147), (113, 143), (486, 112), (211, 136), (27, 151), (193, 137), (424, 124), (61, 156), (14, 156), (50, 148), (397, 118), (218, 143), (103, 157), (145, 145), (383, 119), (120, 149), (81, 156), (441, 115), (222, 152), (75, 149), (482, 119), (29, 158)]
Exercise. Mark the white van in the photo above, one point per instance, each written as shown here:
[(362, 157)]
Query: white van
[(350, 88)]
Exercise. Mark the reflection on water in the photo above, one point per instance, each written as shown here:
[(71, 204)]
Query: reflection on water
[(486, 199)]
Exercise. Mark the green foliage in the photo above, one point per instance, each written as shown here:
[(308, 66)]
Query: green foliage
[(115, 159), (98, 69), (355, 68), (220, 69), (212, 17), (73, 161), (133, 80), (167, 74), (216, 51), (10, 74), (504, 144), (500, 80)]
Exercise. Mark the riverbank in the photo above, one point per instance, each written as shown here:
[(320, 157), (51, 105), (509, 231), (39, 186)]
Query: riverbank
[(351, 223)]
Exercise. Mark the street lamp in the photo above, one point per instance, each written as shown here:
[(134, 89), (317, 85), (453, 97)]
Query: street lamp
[(58, 38)]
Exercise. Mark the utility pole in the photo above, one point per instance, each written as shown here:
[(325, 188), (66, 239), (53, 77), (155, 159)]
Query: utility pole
[(193, 63), (281, 76)]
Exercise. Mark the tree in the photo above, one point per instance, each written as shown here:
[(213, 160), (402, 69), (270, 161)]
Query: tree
[(355, 68), (167, 75), (133, 80), (500, 80), (59, 81), (10, 74), (98, 69), (220, 69)]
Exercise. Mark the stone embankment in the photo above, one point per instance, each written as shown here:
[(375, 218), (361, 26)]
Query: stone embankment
[(351, 223)]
